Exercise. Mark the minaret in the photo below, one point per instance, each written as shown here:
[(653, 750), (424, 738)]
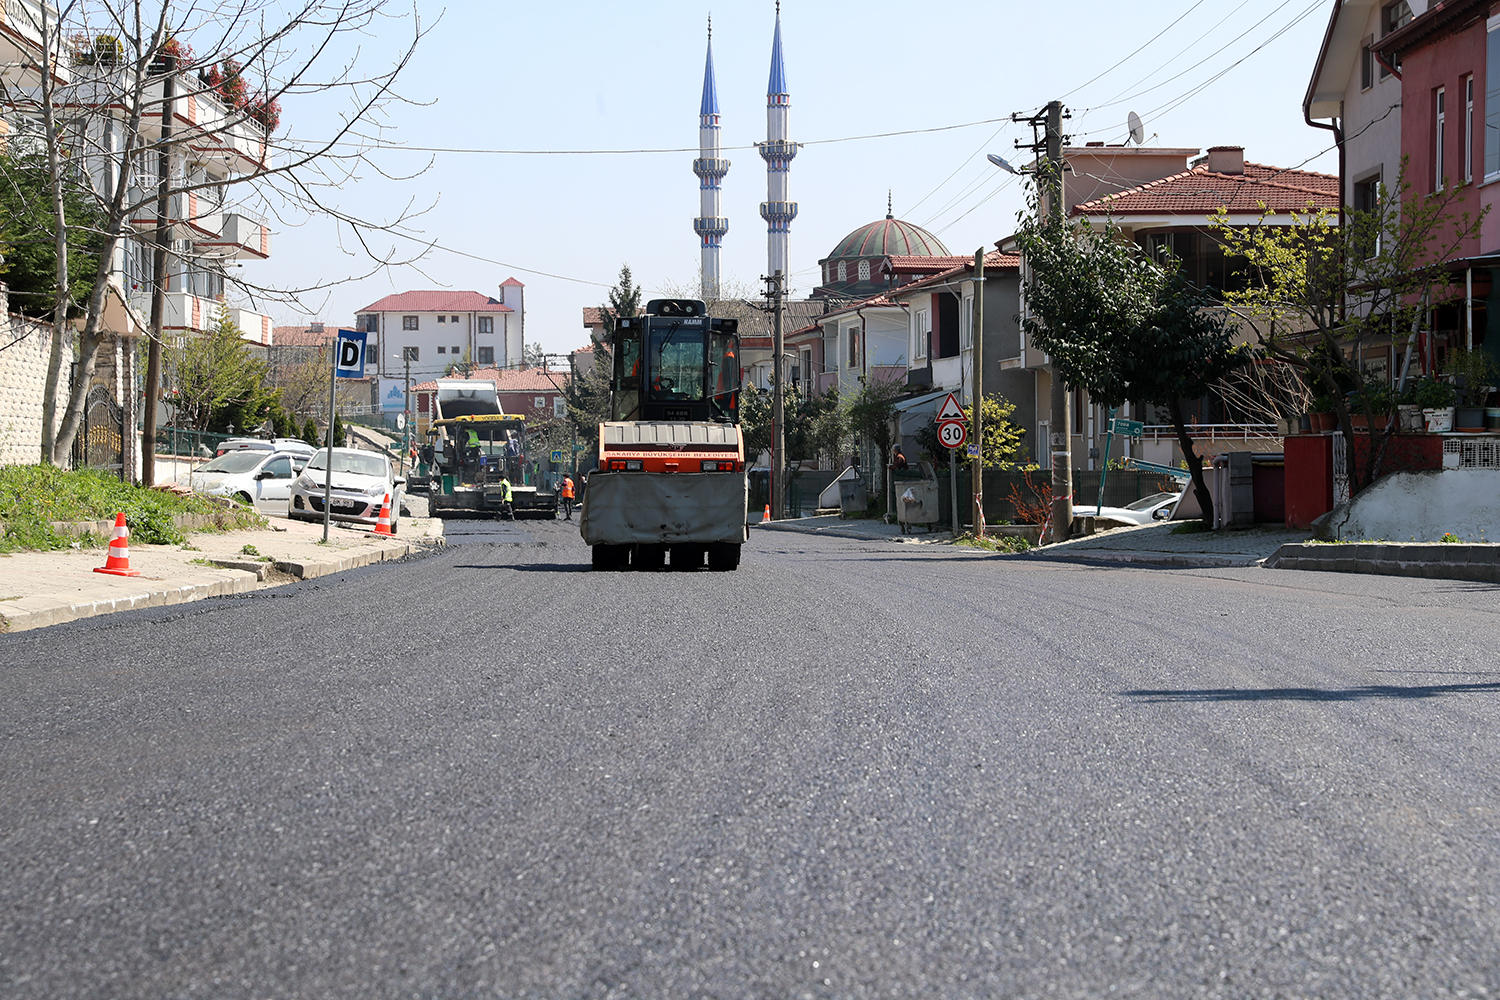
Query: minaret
[(710, 168), (777, 151)]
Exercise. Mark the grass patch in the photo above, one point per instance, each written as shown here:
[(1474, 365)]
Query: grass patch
[(994, 543), (34, 496)]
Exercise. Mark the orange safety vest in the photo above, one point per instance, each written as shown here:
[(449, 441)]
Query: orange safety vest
[(567, 490)]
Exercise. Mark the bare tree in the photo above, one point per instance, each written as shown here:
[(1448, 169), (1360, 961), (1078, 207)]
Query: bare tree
[(122, 107)]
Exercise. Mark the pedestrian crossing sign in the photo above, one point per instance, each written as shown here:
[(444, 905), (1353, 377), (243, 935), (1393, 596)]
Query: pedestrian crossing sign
[(557, 456)]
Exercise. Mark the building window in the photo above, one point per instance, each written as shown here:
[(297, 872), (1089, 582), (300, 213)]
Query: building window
[(409, 323), (454, 350), (864, 270), (1439, 127), (852, 333), (442, 349), (453, 319), (559, 408), (966, 324), (843, 271), (442, 319), (1492, 101), (1367, 203), (539, 403), (1392, 17), (1468, 128), (369, 323), (1366, 66), (486, 324), (411, 354), (486, 355), (923, 326)]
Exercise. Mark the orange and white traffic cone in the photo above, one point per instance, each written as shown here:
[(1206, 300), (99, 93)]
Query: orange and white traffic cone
[(767, 515), (383, 525), (118, 563)]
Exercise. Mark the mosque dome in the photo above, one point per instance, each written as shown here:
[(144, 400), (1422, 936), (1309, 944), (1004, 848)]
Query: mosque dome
[(889, 237)]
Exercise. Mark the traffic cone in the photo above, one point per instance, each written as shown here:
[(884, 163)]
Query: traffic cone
[(767, 515), (383, 525), (118, 563)]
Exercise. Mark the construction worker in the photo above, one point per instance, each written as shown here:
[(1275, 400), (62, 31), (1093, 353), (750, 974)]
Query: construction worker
[(506, 510), (567, 498)]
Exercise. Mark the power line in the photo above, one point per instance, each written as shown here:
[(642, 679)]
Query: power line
[(1182, 17)]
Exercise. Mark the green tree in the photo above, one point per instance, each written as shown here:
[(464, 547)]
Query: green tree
[(1321, 296), (30, 250), (213, 371), (755, 421), (871, 414), (816, 426), (587, 392), (310, 433)]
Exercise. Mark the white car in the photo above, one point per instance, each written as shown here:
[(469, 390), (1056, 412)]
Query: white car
[(1156, 507), (260, 478), (361, 481)]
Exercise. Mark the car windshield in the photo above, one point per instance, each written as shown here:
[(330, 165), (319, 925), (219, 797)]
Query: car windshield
[(235, 461), (357, 463), (1146, 503)]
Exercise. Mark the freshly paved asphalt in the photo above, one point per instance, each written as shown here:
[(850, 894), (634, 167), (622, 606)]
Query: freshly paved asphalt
[(847, 770)]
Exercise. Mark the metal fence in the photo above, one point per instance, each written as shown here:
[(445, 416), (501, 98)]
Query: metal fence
[(189, 443)]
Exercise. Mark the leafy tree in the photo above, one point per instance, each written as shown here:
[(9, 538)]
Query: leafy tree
[(310, 433), (816, 426), (587, 393), (755, 421), (1122, 326), (30, 266), (870, 414), (1322, 295), (213, 371)]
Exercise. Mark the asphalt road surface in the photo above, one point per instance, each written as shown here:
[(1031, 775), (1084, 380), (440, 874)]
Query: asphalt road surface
[(846, 770)]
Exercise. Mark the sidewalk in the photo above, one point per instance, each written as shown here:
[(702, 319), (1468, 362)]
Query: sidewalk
[(46, 588), (1150, 544)]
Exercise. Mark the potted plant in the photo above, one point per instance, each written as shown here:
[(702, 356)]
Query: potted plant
[(1471, 372), (1372, 401), (1408, 411), (1321, 415), (1436, 400)]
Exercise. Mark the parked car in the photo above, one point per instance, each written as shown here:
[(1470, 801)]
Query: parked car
[(1156, 507), (260, 478), (360, 482), (262, 444)]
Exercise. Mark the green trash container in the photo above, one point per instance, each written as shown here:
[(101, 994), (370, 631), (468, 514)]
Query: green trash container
[(448, 484)]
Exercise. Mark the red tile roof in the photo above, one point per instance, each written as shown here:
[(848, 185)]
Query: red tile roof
[(438, 302), (1199, 192), (911, 264), (591, 316), (994, 261), (509, 380), (512, 281)]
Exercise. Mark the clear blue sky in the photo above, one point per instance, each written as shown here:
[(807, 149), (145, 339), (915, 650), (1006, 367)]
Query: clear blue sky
[(596, 75)]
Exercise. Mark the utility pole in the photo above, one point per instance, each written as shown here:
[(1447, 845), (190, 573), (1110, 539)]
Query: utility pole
[(1061, 429), (777, 290), (976, 422), (159, 262), (406, 410)]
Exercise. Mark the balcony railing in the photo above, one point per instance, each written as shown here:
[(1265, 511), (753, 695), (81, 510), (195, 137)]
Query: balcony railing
[(1211, 432)]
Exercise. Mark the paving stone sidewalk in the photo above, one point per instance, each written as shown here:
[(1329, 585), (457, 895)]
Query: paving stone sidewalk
[(45, 588)]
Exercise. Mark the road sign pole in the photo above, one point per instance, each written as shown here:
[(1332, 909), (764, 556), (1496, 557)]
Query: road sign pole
[(333, 383), (958, 523), (1109, 439)]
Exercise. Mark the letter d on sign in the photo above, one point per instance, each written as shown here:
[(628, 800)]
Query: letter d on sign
[(351, 354)]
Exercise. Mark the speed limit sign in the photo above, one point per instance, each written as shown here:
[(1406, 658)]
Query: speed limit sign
[(952, 433)]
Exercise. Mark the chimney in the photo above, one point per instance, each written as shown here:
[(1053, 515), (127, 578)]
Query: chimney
[(1226, 159), (316, 326)]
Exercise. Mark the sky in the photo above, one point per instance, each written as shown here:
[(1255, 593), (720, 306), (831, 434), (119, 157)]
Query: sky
[(493, 82)]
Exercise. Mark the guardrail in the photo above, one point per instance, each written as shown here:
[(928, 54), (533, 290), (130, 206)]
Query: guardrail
[(1211, 432)]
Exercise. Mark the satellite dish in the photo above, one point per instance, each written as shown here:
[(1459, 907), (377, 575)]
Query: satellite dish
[(1002, 163), (1137, 128)]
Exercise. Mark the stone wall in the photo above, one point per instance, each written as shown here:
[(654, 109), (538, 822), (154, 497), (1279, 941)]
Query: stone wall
[(25, 346)]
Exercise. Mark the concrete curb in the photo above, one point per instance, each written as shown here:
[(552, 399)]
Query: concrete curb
[(1429, 560), (227, 577), (1186, 560), (855, 533)]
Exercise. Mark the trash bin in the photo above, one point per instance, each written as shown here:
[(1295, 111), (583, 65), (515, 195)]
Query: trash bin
[(447, 484), (852, 496), (916, 503)]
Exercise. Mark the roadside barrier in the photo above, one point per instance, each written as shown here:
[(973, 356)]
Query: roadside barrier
[(118, 563), (383, 525)]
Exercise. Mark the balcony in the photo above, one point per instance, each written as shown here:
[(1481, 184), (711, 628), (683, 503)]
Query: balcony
[(240, 237), (21, 40), (184, 312)]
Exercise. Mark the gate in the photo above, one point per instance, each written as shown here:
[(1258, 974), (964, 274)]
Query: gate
[(100, 440)]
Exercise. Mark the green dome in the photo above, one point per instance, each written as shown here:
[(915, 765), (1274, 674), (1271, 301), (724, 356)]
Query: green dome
[(889, 238)]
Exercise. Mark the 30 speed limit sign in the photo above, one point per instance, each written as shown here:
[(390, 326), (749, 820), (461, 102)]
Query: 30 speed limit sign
[(953, 433)]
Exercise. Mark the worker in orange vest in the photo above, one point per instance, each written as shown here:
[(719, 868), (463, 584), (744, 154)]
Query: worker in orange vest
[(567, 498)]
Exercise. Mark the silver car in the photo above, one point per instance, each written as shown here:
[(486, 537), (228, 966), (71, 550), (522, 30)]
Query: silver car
[(360, 483), (260, 478)]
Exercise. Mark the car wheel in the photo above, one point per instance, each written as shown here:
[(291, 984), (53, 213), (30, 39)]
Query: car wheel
[(244, 498)]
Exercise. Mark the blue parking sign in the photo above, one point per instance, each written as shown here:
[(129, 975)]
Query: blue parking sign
[(350, 359)]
